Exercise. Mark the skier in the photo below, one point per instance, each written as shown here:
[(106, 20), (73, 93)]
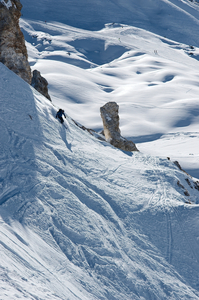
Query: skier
[(59, 115)]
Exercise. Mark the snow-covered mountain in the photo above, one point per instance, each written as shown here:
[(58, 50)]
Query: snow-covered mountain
[(79, 218)]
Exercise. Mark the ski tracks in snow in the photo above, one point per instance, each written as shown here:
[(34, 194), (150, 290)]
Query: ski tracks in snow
[(165, 203), (159, 201), (166, 206), (15, 167)]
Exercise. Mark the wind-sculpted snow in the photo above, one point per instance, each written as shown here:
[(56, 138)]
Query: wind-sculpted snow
[(153, 79), (81, 219)]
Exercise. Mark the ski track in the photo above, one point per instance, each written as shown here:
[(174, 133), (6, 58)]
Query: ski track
[(169, 210)]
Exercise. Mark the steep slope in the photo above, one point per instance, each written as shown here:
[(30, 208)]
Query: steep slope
[(83, 220)]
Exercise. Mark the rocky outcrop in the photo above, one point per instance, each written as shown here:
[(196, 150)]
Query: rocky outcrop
[(13, 52), (40, 84), (110, 118)]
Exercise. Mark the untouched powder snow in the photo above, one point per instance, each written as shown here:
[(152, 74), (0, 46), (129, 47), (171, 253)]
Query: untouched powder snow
[(81, 219)]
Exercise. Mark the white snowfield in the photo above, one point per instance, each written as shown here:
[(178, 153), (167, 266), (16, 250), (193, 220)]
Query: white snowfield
[(80, 219), (142, 55)]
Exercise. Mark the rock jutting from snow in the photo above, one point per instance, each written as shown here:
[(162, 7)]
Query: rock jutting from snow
[(110, 118), (13, 52), (40, 84)]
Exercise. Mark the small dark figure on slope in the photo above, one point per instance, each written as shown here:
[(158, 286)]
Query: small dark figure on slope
[(59, 115)]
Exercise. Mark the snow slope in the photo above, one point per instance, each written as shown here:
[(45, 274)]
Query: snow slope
[(79, 218), (167, 18), (143, 56), (83, 220)]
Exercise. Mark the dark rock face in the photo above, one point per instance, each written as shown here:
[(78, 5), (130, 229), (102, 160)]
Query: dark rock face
[(40, 84), (110, 118), (13, 52)]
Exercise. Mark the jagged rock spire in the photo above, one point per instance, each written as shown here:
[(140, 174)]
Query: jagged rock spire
[(110, 118)]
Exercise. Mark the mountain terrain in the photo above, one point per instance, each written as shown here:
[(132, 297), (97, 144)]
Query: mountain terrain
[(147, 63), (81, 219)]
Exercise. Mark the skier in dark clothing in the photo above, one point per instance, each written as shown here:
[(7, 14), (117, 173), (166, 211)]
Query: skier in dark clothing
[(59, 115)]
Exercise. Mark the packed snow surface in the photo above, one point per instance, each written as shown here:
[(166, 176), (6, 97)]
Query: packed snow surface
[(83, 220), (80, 219)]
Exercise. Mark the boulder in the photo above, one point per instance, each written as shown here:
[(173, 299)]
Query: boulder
[(40, 84), (13, 52), (110, 118)]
